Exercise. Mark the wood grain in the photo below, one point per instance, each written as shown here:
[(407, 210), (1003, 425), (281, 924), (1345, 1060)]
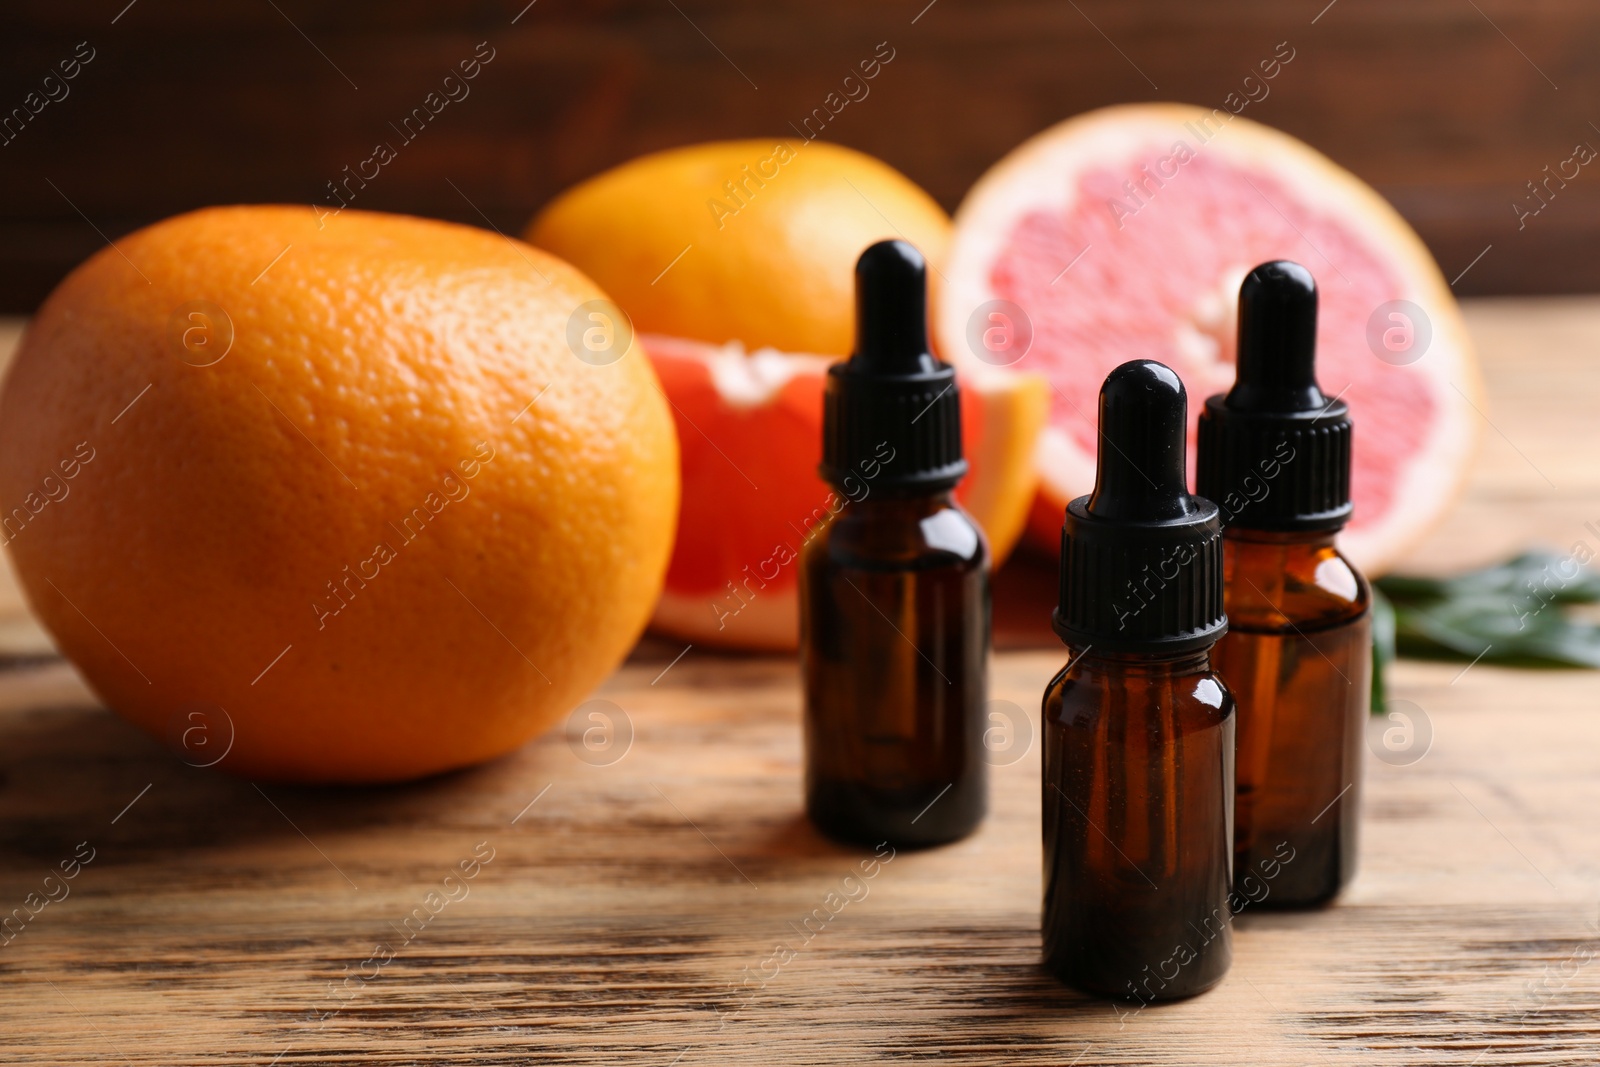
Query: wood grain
[(621, 912), (1448, 107)]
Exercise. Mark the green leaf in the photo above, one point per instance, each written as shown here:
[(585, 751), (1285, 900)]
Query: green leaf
[(1382, 650), (1531, 579), (1511, 613)]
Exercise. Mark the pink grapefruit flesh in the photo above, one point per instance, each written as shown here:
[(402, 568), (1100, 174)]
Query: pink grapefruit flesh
[(1124, 234)]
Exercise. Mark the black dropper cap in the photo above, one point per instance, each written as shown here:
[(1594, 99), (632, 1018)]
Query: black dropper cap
[(1141, 559), (1274, 452), (892, 393)]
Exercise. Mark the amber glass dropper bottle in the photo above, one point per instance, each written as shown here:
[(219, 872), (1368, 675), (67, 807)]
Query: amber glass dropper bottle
[(1274, 452), (894, 588), (1138, 731)]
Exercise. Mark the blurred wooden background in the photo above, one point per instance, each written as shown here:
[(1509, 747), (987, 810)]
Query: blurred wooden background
[(1448, 106)]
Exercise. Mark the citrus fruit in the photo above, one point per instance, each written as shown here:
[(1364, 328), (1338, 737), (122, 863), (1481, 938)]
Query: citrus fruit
[(333, 500), (748, 241), (733, 577), (736, 262), (1124, 234)]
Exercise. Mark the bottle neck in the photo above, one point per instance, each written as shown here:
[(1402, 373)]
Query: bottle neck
[(1313, 539), (1274, 552), (888, 506), (1095, 661)]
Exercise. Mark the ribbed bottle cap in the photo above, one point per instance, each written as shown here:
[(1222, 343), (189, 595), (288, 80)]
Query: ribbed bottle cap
[(1274, 452), (892, 393), (1141, 559)]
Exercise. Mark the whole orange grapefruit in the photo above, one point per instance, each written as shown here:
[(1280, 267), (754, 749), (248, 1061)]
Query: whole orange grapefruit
[(335, 498), (751, 241)]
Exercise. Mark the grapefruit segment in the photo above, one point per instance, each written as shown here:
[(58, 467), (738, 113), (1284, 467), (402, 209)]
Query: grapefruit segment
[(750, 438), (1124, 234)]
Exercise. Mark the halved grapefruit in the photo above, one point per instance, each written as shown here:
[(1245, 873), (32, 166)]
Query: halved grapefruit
[(735, 261), (1124, 233)]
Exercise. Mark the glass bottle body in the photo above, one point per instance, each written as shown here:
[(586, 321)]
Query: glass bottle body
[(1138, 825), (894, 625), (1297, 657)]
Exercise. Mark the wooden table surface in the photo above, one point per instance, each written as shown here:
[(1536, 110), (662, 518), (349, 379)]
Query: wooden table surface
[(629, 913)]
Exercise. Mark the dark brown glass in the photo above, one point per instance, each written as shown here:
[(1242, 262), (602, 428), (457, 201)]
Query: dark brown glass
[(1138, 825), (894, 624), (1297, 657)]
